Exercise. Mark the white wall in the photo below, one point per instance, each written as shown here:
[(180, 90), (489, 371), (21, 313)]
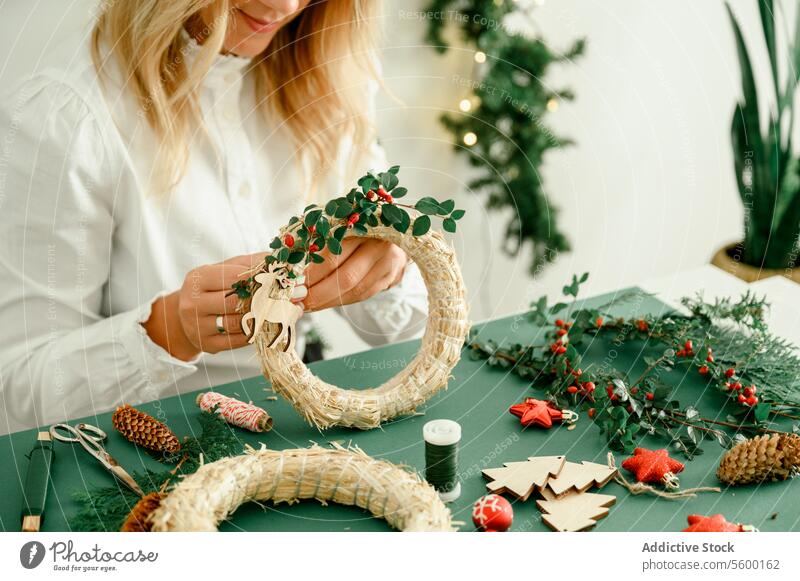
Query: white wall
[(647, 191)]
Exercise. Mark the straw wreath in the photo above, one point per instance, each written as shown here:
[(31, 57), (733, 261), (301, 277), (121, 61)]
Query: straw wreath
[(345, 476), (361, 213)]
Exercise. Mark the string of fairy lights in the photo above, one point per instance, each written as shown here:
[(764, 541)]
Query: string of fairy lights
[(469, 103)]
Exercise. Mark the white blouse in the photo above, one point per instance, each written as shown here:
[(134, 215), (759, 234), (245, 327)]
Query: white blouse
[(85, 248)]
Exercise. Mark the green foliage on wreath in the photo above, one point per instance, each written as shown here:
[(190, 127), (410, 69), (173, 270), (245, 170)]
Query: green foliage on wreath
[(373, 203), (510, 101)]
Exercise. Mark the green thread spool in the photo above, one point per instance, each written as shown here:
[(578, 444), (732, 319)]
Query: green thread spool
[(441, 457)]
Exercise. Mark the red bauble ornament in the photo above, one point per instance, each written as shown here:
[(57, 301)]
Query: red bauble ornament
[(535, 412), (654, 466), (713, 524), (492, 514)]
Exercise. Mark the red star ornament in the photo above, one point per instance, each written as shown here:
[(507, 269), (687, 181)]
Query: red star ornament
[(654, 466), (535, 412), (713, 524)]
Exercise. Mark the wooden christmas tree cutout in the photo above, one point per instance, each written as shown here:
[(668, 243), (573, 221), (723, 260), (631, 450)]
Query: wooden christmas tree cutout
[(575, 511), (521, 478), (580, 477)]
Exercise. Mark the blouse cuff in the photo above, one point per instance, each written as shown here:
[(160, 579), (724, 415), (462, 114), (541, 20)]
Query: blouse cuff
[(152, 360)]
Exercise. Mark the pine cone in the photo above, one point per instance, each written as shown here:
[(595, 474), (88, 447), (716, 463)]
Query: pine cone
[(138, 520), (144, 430), (763, 458)]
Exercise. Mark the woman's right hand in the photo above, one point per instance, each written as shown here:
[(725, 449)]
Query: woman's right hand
[(185, 322)]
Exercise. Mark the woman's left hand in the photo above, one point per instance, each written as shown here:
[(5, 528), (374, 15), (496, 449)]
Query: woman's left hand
[(364, 268)]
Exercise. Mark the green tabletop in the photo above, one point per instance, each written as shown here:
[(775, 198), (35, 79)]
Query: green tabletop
[(478, 398)]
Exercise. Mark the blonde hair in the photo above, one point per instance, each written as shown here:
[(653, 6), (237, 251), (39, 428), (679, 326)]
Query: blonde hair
[(311, 75)]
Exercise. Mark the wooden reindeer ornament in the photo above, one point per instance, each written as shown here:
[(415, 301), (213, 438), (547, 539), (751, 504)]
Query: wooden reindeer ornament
[(265, 309)]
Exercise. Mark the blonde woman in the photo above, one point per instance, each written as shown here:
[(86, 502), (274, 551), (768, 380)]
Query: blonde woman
[(149, 166)]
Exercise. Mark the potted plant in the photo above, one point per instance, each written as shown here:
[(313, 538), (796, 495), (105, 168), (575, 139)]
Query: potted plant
[(767, 170)]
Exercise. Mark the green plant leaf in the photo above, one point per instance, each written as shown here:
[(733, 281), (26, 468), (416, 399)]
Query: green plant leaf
[(323, 227), (282, 255), (389, 181), (427, 205), (399, 192), (276, 243), (295, 257), (334, 245), (394, 169), (447, 206), (449, 225), (404, 223), (330, 207), (421, 225), (312, 217), (457, 214), (316, 258), (391, 213), (340, 232)]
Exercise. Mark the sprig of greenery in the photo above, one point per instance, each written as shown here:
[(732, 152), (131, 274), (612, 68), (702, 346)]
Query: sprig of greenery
[(725, 341), (371, 204)]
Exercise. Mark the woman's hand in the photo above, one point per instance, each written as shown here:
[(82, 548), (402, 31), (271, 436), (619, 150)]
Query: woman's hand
[(364, 268), (184, 322)]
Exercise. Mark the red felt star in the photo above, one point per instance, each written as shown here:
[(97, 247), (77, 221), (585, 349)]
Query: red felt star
[(651, 465), (535, 412), (711, 524)]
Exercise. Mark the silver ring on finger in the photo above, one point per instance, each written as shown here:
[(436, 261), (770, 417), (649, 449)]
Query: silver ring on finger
[(219, 322)]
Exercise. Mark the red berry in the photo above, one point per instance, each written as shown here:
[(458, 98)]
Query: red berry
[(567, 325), (572, 389), (610, 390), (577, 372), (288, 240), (688, 345), (312, 229), (747, 392), (634, 390), (736, 385), (740, 398), (681, 353), (630, 409), (641, 324), (559, 323), (352, 219), (561, 350), (371, 195), (728, 385), (561, 332), (388, 199), (313, 248), (730, 372), (703, 370), (382, 191), (710, 358), (599, 321), (614, 397), (752, 400), (650, 396), (591, 412), (753, 388), (589, 386)]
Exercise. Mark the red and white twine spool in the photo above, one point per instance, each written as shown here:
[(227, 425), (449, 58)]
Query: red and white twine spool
[(235, 412)]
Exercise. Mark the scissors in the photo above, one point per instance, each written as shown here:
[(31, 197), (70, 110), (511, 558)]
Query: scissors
[(91, 438)]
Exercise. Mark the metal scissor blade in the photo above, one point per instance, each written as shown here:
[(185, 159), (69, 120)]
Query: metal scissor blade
[(120, 473)]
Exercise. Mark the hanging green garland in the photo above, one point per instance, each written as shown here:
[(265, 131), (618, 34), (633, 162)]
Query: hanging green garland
[(502, 119)]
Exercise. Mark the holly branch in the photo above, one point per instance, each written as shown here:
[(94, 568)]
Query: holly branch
[(374, 202), (726, 342)]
